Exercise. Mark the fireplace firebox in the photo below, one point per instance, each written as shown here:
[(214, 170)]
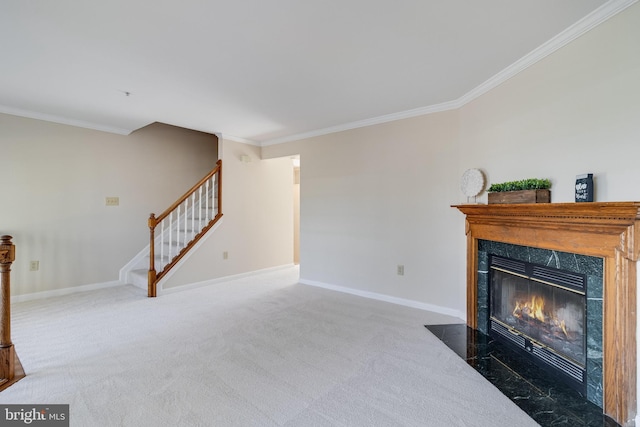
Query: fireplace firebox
[(541, 312)]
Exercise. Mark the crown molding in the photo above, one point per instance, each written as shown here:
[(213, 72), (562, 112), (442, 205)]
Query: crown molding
[(366, 122), (63, 120), (592, 20), (237, 139)]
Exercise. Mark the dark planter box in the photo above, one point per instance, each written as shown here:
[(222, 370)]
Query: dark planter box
[(522, 196)]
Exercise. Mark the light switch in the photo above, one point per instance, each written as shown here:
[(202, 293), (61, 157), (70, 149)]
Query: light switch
[(112, 201)]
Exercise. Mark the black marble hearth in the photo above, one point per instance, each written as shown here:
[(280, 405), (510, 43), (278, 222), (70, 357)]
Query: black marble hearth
[(547, 401)]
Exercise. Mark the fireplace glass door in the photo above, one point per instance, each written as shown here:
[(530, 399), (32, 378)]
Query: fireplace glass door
[(542, 311), (547, 314)]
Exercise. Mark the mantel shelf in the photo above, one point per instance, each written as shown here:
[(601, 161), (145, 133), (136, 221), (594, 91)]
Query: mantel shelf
[(567, 212)]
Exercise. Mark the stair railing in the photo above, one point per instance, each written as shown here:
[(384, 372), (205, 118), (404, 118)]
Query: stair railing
[(183, 224)]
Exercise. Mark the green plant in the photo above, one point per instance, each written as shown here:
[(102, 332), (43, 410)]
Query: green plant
[(525, 184)]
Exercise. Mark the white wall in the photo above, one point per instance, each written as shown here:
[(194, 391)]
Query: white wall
[(376, 197), (56, 178), (257, 223), (576, 111)]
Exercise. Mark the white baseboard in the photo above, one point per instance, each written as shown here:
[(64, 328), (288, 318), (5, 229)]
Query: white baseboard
[(64, 291), (223, 279), (388, 298)]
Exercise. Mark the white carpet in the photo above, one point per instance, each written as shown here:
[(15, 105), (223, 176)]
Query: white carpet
[(259, 351)]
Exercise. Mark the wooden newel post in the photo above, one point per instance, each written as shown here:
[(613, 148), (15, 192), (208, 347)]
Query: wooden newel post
[(7, 256), (151, 276), (8, 358)]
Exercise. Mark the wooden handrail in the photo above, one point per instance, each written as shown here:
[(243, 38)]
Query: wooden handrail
[(153, 222), (10, 367), (184, 197)]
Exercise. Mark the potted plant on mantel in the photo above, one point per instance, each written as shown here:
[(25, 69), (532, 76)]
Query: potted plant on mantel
[(532, 190)]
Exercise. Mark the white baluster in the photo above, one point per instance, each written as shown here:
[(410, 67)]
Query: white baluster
[(186, 214), (213, 197), (206, 203), (161, 245), (200, 208), (215, 193), (178, 231), (170, 236), (193, 214)]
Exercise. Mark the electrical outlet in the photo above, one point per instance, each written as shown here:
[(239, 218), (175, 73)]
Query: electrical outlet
[(400, 270), (112, 201), (34, 265), (225, 255)]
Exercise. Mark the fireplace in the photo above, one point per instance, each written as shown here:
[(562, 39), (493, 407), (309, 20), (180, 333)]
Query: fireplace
[(609, 231), (541, 312)]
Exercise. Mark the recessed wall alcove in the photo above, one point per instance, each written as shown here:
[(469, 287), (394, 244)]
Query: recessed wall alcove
[(610, 231)]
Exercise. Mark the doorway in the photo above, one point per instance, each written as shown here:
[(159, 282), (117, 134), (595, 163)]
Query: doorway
[(296, 210)]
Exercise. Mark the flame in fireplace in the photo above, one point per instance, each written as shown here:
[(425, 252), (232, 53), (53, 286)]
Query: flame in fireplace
[(534, 309), (563, 326)]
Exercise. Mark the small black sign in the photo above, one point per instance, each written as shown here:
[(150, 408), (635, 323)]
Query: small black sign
[(584, 188)]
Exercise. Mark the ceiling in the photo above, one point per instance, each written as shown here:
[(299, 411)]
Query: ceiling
[(269, 71)]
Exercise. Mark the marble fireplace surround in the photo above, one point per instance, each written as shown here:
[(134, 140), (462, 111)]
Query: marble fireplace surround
[(609, 230)]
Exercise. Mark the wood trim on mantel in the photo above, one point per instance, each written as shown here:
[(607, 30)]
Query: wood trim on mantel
[(609, 230)]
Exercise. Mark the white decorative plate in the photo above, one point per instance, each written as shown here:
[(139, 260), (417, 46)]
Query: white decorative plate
[(472, 182)]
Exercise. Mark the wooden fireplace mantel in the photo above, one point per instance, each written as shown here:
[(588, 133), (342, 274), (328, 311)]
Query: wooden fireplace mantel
[(609, 230)]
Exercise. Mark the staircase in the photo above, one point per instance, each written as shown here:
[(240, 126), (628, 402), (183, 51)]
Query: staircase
[(176, 231)]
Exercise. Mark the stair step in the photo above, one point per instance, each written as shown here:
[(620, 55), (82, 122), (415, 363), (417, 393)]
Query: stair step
[(139, 278)]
